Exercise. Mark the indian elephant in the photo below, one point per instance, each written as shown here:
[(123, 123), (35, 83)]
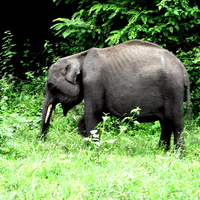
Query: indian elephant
[(118, 79)]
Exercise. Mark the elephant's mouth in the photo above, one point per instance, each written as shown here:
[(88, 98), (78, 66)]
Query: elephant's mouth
[(70, 95), (65, 108)]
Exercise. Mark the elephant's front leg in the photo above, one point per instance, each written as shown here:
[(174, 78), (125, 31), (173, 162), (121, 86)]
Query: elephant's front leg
[(94, 101), (92, 119), (82, 127)]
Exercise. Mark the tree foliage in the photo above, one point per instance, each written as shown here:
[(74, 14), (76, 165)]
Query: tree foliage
[(165, 22)]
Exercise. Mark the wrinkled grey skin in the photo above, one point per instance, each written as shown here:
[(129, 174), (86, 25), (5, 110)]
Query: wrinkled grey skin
[(118, 79)]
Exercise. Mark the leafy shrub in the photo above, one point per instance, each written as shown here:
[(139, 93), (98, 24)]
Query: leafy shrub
[(6, 54), (191, 61), (112, 127), (17, 97)]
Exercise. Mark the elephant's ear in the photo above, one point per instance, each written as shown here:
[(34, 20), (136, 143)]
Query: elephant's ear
[(71, 75), (73, 67), (72, 70)]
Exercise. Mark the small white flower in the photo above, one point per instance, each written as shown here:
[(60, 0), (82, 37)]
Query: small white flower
[(123, 128), (87, 138), (96, 136), (136, 111), (111, 141), (93, 132), (62, 155), (70, 155), (97, 144), (136, 122), (105, 118)]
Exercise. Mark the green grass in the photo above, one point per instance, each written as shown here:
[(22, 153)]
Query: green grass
[(126, 166)]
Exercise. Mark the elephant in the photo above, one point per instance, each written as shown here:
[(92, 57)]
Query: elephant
[(116, 80)]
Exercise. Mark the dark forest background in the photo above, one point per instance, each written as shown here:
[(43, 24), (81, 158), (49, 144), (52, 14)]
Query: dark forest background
[(29, 22)]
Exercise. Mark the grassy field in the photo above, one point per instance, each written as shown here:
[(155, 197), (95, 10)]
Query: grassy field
[(127, 165)]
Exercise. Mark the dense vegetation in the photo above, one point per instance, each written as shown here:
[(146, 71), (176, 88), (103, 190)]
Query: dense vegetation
[(128, 164)]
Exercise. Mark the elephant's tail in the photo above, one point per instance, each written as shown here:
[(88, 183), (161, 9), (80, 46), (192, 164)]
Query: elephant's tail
[(189, 116)]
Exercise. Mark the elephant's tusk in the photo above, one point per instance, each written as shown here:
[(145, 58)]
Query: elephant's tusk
[(48, 113), (53, 114)]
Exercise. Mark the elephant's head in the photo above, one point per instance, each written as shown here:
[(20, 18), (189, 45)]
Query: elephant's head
[(64, 85)]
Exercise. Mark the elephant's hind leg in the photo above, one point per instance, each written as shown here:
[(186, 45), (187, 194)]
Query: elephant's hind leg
[(179, 141), (165, 135)]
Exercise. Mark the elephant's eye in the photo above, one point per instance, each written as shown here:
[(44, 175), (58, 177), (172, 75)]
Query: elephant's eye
[(49, 84), (65, 70)]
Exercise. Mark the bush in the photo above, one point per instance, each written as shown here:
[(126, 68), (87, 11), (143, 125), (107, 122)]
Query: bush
[(191, 61)]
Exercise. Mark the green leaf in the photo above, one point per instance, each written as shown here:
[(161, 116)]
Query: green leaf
[(197, 60), (144, 19), (125, 139), (171, 29), (166, 14), (177, 27), (176, 12), (111, 141)]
